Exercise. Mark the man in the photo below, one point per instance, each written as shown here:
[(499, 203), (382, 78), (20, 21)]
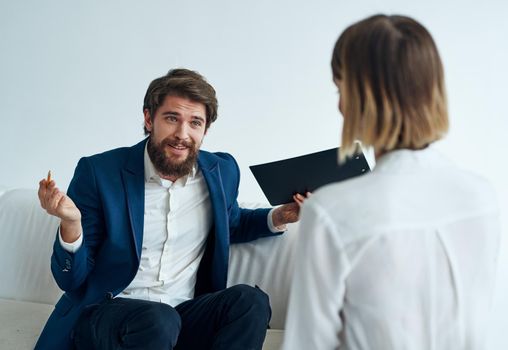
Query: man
[(143, 245)]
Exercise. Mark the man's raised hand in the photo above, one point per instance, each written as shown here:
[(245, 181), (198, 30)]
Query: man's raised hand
[(58, 204)]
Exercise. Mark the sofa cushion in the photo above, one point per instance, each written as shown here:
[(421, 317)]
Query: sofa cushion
[(273, 340), (21, 323)]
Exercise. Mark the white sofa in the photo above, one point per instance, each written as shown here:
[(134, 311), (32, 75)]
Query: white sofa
[(28, 291)]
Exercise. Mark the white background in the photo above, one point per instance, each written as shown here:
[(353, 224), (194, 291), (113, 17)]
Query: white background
[(73, 75)]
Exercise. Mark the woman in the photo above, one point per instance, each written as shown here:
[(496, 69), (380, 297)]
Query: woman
[(403, 257)]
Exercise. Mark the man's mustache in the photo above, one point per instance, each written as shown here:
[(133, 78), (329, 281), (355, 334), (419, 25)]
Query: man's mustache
[(178, 143)]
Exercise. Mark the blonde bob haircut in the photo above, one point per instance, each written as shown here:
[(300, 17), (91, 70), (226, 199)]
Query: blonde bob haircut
[(392, 85)]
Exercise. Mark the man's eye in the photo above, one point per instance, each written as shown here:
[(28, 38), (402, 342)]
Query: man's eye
[(196, 123), (171, 118)]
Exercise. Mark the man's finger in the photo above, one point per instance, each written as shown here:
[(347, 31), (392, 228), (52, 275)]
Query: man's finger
[(41, 193), (61, 198), (54, 199), (299, 198), (47, 195)]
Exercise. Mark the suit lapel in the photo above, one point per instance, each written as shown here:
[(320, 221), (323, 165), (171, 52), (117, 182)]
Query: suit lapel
[(212, 175), (133, 176)]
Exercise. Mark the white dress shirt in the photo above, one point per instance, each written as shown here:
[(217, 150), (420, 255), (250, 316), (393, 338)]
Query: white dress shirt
[(401, 258), (177, 220)]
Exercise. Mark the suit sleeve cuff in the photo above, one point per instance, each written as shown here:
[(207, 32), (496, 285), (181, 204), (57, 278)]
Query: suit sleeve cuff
[(271, 226), (70, 247)]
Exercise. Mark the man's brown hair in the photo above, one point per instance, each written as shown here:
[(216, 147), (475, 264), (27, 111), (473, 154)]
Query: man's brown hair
[(182, 83), (393, 93)]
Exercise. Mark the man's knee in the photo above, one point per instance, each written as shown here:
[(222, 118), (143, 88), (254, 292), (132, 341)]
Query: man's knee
[(163, 314), (162, 322), (251, 299)]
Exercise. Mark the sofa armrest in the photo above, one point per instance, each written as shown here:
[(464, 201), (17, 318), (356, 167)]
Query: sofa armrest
[(27, 234)]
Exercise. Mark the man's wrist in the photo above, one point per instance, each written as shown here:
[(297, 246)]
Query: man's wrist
[(274, 223), (275, 217), (70, 230)]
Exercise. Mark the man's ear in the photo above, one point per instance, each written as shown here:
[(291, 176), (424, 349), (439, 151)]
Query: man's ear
[(148, 120)]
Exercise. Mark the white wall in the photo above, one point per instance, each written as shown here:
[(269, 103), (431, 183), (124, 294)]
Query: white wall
[(73, 76)]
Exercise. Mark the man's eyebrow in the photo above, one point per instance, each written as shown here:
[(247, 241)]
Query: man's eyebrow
[(170, 113), (198, 117)]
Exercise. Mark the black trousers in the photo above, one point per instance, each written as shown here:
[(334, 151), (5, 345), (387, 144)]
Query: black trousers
[(234, 318)]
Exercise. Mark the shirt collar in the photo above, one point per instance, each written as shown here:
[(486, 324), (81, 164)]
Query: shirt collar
[(405, 160), (151, 174)]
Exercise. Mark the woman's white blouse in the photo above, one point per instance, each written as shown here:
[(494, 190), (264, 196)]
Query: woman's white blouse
[(401, 258)]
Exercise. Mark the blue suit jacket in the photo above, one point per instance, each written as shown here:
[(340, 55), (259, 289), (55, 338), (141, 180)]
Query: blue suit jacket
[(108, 189)]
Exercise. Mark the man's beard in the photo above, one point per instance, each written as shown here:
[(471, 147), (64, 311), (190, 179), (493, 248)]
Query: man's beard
[(164, 165)]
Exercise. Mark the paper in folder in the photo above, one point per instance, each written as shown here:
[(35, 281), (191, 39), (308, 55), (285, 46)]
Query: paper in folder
[(281, 179)]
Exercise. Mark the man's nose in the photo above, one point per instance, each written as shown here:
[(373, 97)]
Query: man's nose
[(181, 131)]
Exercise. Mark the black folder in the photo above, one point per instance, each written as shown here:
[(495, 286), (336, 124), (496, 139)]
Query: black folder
[(280, 180)]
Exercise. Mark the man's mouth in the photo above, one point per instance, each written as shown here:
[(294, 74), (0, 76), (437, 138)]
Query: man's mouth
[(179, 147)]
